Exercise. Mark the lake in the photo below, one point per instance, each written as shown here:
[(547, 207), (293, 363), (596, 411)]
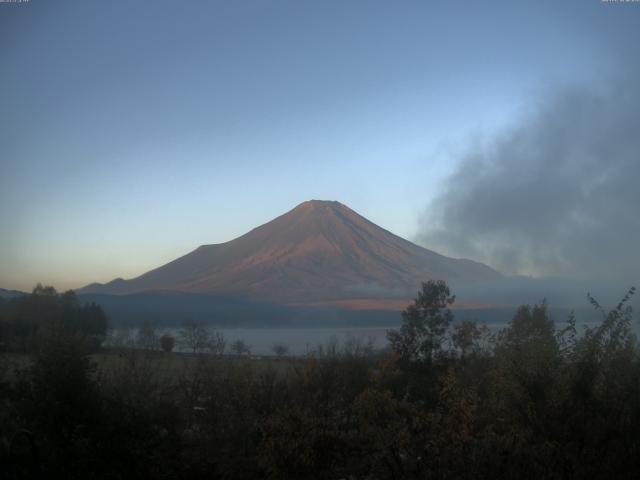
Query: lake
[(299, 341)]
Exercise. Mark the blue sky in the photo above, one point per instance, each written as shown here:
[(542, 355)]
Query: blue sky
[(132, 132)]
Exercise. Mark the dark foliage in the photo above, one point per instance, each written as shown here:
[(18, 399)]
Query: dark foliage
[(28, 321), (167, 343), (447, 401)]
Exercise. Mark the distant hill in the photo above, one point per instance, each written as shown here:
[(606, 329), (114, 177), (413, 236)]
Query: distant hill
[(321, 253), (9, 294)]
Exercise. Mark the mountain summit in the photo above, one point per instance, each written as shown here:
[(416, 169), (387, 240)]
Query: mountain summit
[(320, 252)]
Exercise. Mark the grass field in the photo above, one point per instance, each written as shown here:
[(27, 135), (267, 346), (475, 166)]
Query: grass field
[(161, 367)]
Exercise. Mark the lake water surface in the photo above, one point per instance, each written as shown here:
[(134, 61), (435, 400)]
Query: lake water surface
[(299, 341)]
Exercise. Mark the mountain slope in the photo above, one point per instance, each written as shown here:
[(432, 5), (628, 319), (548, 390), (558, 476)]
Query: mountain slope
[(318, 252)]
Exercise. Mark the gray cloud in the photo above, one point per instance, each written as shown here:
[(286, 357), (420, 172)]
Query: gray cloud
[(558, 193)]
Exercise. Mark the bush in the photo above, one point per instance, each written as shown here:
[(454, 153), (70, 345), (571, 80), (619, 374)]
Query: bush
[(167, 343)]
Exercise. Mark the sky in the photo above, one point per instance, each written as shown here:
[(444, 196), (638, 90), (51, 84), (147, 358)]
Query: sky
[(132, 132)]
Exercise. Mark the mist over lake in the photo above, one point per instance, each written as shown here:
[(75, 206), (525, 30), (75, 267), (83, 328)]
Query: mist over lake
[(304, 341), (300, 341)]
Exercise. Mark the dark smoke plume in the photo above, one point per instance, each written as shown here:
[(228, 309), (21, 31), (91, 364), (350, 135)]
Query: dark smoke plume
[(556, 194)]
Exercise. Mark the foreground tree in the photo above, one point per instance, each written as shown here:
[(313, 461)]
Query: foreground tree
[(425, 323), (467, 337), (527, 367)]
